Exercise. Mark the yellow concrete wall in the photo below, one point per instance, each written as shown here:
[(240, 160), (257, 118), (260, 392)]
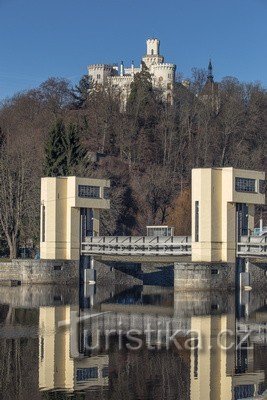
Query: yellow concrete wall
[(216, 378), (214, 188), (56, 367), (62, 204)]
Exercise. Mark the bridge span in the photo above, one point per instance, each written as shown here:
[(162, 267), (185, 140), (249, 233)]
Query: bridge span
[(247, 246)]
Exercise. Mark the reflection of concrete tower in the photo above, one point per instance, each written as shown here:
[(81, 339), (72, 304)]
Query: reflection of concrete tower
[(213, 369), (61, 366)]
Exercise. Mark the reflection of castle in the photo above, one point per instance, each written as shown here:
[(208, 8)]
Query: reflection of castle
[(120, 78), (61, 366)]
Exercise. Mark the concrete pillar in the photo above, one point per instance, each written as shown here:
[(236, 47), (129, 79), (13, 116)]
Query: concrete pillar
[(87, 280), (204, 276)]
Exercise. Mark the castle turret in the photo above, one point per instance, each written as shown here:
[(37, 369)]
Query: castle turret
[(98, 73), (163, 77), (152, 47), (152, 56), (122, 69)]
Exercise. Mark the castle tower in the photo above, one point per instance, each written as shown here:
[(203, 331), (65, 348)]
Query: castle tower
[(163, 78), (152, 46), (152, 54)]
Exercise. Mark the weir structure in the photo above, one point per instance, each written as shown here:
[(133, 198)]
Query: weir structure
[(223, 208)]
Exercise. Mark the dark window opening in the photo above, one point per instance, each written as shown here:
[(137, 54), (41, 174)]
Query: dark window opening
[(43, 223), (262, 186), (196, 359), (214, 272), (244, 391), (57, 267), (42, 348), (84, 374), (242, 219), (106, 193), (87, 223), (90, 192), (214, 307), (105, 372), (245, 185), (196, 221)]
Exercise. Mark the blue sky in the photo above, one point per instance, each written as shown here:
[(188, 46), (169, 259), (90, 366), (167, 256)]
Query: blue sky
[(43, 38)]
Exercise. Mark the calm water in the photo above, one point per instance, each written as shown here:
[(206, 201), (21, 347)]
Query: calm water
[(137, 343)]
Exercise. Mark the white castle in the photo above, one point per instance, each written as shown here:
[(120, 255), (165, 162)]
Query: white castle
[(120, 78)]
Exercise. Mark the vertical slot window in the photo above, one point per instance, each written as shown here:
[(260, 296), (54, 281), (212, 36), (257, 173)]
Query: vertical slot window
[(43, 223), (197, 221)]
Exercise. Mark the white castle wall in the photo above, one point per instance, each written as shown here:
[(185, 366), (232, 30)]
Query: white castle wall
[(163, 74)]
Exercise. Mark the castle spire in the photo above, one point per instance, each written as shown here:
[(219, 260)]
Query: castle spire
[(210, 74), (122, 69), (132, 68)]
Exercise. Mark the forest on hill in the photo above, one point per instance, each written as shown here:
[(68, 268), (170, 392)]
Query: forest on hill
[(147, 149)]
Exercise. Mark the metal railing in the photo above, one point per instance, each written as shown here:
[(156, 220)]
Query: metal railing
[(137, 245), (252, 246), (164, 245)]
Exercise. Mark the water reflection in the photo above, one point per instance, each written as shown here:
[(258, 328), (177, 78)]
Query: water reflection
[(56, 345)]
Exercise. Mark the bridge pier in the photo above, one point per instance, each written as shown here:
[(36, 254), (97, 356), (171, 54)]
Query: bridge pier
[(204, 276), (254, 274), (87, 271)]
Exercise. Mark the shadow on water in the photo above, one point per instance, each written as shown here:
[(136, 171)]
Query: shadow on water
[(160, 276)]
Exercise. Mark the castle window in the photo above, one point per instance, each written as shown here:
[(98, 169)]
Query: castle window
[(152, 52), (160, 79), (98, 76), (169, 86)]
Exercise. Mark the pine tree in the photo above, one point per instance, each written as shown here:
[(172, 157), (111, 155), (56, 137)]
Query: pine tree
[(64, 154), (141, 90), (80, 93), (73, 150), (54, 151)]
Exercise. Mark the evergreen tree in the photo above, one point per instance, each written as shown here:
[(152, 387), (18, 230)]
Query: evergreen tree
[(54, 151), (64, 154), (75, 154), (141, 90), (80, 93)]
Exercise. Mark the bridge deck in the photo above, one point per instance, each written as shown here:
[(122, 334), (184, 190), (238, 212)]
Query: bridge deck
[(248, 246), (138, 245)]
